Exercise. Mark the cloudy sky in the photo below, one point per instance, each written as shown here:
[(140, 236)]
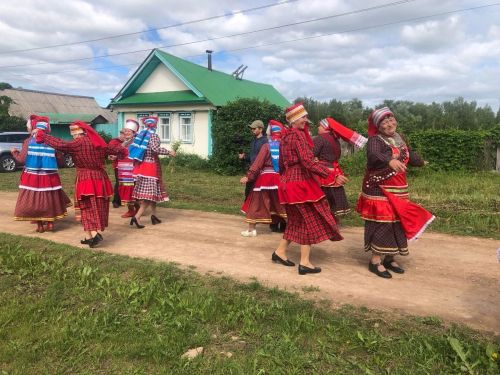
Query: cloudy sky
[(417, 50)]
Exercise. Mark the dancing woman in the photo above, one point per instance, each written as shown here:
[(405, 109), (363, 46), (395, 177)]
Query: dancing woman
[(391, 219), (149, 188), (41, 198), (309, 218), (92, 186), (262, 204)]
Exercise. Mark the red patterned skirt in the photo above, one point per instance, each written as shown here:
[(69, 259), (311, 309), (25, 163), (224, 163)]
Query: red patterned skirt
[(310, 223), (41, 197), (148, 183), (93, 191)]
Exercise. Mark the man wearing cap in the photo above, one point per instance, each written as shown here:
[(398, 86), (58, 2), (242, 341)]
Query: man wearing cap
[(257, 129), (123, 167)]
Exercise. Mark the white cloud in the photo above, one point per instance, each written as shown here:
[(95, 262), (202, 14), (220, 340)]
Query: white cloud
[(434, 59)]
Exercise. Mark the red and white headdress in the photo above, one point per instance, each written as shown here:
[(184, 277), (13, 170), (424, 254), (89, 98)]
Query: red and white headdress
[(376, 118), (40, 122), (343, 132), (295, 112)]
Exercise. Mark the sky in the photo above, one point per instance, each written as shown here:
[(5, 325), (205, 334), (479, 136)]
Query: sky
[(416, 50)]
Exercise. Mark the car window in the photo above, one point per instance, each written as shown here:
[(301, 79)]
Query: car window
[(3, 138), (18, 137)]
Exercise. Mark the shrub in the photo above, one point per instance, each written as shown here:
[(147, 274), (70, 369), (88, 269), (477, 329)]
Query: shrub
[(106, 136), (191, 161), (231, 135)]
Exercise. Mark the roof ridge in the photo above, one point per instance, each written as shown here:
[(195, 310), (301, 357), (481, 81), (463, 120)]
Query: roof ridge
[(50, 93)]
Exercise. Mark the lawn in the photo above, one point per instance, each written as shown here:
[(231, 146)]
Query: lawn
[(465, 203), (75, 311)]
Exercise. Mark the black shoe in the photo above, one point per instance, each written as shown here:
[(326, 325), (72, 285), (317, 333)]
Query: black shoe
[(287, 262), (304, 269), (116, 204), (95, 241), (374, 268), (387, 264), (134, 221), (89, 240), (274, 227), (155, 220)]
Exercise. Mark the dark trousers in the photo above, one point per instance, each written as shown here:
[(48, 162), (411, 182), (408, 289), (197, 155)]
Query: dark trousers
[(116, 197)]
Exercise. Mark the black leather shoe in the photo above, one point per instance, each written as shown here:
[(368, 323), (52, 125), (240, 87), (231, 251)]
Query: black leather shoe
[(116, 204), (95, 241), (303, 270), (89, 240), (134, 221), (387, 264), (287, 262), (155, 220), (374, 268)]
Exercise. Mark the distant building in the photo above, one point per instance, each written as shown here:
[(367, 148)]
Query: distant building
[(62, 109), (184, 95)]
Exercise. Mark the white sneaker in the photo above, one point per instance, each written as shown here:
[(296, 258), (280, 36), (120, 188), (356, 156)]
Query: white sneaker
[(249, 233)]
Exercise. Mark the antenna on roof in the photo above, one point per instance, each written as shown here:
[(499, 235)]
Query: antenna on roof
[(237, 71), (240, 73)]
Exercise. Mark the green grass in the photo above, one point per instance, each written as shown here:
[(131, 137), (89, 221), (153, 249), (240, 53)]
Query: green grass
[(68, 310), (465, 203)]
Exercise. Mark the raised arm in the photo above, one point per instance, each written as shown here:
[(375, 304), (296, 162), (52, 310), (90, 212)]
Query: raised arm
[(155, 146), (20, 155), (258, 164), (68, 147)]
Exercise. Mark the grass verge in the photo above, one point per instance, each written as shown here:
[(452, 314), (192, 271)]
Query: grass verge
[(68, 310)]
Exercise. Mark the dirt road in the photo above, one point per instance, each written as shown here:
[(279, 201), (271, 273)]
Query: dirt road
[(455, 278)]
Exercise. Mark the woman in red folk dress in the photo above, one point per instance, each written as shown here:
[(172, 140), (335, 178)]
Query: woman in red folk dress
[(41, 198), (327, 150), (92, 186), (149, 188), (262, 204), (124, 168), (309, 218), (390, 218)]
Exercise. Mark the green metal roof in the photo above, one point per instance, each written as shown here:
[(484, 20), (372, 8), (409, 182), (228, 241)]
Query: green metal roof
[(68, 118), (169, 97), (216, 87)]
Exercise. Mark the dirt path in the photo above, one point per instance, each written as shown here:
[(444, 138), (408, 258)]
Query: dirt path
[(455, 278)]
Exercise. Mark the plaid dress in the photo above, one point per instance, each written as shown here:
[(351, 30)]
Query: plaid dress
[(148, 177), (327, 150), (383, 231), (309, 218), (92, 186)]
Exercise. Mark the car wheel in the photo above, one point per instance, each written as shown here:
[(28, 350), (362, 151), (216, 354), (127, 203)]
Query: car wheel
[(7, 164), (68, 161)]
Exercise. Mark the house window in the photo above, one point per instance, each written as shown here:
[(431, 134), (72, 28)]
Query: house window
[(186, 127), (164, 127), (140, 116)]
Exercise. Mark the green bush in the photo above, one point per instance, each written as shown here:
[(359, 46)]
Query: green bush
[(106, 136), (231, 135), (191, 161), (456, 149)]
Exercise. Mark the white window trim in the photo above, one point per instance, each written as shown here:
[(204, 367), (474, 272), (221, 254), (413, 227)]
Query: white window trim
[(189, 115), (169, 116)]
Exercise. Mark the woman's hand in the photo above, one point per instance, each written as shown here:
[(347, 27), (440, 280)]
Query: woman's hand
[(14, 150), (397, 166), (244, 180), (341, 180), (172, 153)]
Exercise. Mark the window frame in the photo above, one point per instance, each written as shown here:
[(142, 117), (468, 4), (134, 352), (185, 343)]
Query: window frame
[(190, 116), (165, 115)]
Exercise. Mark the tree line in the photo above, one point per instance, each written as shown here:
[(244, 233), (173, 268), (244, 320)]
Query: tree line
[(457, 114)]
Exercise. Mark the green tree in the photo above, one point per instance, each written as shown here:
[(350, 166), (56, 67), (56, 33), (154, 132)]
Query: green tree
[(230, 132)]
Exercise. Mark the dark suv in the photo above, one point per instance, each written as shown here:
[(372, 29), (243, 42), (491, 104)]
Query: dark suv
[(9, 140)]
